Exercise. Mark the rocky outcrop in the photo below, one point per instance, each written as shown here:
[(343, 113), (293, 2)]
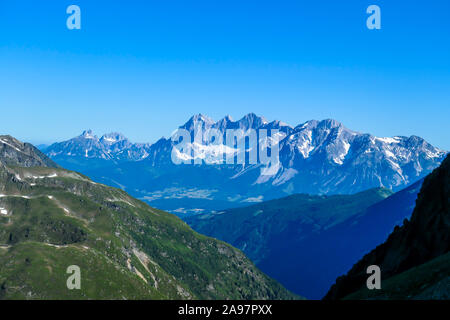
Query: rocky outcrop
[(16, 153)]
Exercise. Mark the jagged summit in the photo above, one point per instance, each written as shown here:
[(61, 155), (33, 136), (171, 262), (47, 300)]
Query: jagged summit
[(87, 134), (253, 121), (278, 124), (249, 121), (419, 247), (324, 124), (113, 137), (228, 118), (108, 137), (330, 123), (111, 146), (196, 121)]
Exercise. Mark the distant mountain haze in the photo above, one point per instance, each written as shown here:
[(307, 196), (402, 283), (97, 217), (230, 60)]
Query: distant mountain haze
[(316, 157)]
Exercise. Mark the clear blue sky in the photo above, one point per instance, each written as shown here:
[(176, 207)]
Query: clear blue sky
[(144, 67)]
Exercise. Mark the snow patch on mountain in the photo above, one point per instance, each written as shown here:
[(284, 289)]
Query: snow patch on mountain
[(254, 199)]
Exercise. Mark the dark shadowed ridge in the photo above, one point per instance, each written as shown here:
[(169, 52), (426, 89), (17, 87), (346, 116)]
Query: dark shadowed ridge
[(419, 247), (51, 218)]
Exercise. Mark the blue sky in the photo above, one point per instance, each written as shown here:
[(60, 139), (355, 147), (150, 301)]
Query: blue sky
[(144, 67)]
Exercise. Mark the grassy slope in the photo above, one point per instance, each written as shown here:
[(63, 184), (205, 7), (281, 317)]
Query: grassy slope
[(33, 270), (125, 248)]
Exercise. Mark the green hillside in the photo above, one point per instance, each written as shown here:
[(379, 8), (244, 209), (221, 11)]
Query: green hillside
[(414, 260), (52, 218), (430, 280)]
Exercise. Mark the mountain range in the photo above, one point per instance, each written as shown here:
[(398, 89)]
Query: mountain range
[(316, 157), (52, 218), (113, 147)]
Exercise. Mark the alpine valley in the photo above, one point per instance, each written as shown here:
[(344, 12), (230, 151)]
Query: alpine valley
[(335, 195), (307, 241), (415, 258)]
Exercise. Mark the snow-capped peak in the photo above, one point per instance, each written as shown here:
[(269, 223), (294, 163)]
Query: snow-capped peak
[(87, 134), (113, 137)]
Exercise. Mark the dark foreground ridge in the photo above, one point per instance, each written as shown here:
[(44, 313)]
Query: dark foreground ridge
[(415, 259), (53, 218)]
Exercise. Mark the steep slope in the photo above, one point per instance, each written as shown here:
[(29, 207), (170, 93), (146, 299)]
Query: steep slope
[(316, 157), (15, 153), (52, 218), (332, 251), (424, 238)]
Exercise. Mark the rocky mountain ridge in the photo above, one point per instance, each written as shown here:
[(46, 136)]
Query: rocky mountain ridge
[(316, 157)]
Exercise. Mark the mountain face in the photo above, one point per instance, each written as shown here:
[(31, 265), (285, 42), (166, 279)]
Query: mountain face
[(305, 241), (415, 259), (15, 153), (316, 157), (52, 218)]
